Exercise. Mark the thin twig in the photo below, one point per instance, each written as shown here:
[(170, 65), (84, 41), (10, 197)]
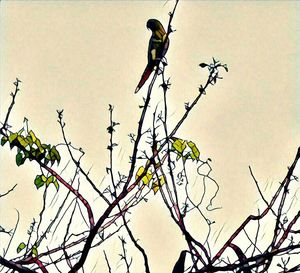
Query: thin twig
[(2, 195)]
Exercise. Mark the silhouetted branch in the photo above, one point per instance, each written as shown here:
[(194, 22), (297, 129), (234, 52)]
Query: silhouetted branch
[(5, 125), (6, 193)]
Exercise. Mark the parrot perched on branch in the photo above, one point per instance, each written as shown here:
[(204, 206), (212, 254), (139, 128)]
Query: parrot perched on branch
[(158, 46)]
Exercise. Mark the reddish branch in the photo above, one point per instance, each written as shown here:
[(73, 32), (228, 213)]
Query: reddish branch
[(146, 104), (15, 266), (257, 260), (75, 192), (41, 266), (77, 162), (285, 182), (287, 231), (105, 215), (194, 245)]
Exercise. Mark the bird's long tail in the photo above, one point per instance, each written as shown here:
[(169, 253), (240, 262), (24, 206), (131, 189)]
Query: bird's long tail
[(144, 78)]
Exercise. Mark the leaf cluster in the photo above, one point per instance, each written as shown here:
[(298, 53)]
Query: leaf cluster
[(148, 179), (30, 147), (185, 149)]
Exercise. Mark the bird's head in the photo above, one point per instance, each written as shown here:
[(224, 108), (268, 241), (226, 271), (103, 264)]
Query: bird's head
[(154, 25)]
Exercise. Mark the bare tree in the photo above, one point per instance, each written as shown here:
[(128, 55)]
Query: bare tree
[(160, 163)]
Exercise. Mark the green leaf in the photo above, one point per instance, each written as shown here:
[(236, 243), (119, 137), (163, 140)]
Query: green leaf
[(195, 151), (21, 247), (179, 145), (50, 180), (3, 140), (21, 131), (12, 137), (46, 146), (54, 154), (29, 140), (34, 251), (33, 152), (22, 141), (20, 159), (46, 161), (186, 157), (40, 154), (39, 181), (38, 143), (26, 154), (56, 184)]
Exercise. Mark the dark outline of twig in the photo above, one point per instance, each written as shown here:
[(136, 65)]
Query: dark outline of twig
[(260, 216), (41, 213), (75, 192), (180, 222), (293, 269), (165, 85), (124, 255), (67, 231), (63, 214), (126, 189), (57, 214), (4, 194), (107, 262), (138, 246), (13, 95), (258, 260), (259, 190), (14, 266), (110, 148), (53, 262), (77, 162), (146, 104), (12, 236)]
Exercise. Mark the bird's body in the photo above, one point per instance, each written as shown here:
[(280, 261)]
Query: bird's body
[(158, 46)]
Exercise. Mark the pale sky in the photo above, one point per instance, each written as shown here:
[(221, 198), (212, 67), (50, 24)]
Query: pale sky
[(83, 55)]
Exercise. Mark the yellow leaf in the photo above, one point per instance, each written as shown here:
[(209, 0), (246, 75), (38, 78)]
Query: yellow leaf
[(31, 133), (158, 184), (179, 145), (195, 151), (22, 141), (38, 143), (12, 137), (44, 178), (146, 177)]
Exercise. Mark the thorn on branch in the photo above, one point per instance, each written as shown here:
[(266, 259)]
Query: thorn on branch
[(16, 83), (187, 106), (213, 69), (60, 113), (202, 90), (202, 65), (166, 85)]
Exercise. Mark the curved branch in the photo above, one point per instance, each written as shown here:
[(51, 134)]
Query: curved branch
[(14, 266)]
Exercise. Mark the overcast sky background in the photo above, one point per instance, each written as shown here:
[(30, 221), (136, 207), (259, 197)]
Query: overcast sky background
[(83, 55)]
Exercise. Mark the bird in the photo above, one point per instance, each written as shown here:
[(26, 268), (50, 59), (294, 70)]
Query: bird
[(179, 266), (158, 46)]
